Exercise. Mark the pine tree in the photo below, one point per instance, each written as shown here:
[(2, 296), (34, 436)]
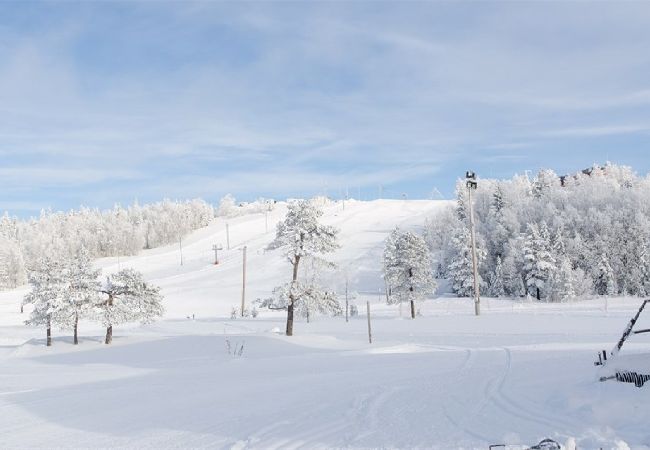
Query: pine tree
[(390, 252), (498, 201), (539, 261), (644, 271), (497, 284), (47, 295), (563, 282), (301, 235), (461, 200), (461, 267), (129, 299), (604, 282), (407, 268)]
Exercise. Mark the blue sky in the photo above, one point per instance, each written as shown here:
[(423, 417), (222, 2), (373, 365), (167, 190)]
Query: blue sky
[(108, 102)]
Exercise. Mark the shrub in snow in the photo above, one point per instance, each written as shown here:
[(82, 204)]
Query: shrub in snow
[(234, 348), (236, 312)]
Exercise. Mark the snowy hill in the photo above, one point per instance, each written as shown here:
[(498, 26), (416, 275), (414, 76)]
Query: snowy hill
[(199, 287), (519, 373)]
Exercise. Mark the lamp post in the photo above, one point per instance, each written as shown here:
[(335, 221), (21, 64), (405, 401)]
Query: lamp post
[(472, 185)]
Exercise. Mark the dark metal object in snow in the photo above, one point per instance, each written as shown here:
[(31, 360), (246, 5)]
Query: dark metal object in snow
[(632, 377), (625, 376), (546, 444)]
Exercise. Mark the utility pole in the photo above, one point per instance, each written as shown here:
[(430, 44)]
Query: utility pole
[(243, 286), (180, 246), (227, 236), (369, 329), (216, 249), (347, 305), (471, 186)]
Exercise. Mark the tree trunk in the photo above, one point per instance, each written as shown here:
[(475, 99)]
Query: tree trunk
[(22, 306), (76, 326), (109, 329), (412, 309), (539, 297), (289, 331), (49, 333), (109, 335)]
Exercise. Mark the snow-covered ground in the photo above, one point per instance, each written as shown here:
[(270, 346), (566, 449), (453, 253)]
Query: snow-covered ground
[(518, 373)]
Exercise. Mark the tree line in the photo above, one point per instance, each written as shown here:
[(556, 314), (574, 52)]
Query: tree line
[(118, 231), (553, 238)]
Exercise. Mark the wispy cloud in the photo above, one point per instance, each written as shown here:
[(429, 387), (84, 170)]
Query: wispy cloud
[(163, 99), (604, 130)]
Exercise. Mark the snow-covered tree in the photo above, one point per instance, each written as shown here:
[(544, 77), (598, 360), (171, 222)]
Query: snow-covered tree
[(563, 282), (460, 269), (129, 298), (540, 263), (604, 281), (497, 284), (82, 294), (12, 266), (310, 300), (227, 206), (301, 235), (407, 268), (48, 294)]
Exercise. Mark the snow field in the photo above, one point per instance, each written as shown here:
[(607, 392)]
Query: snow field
[(519, 373)]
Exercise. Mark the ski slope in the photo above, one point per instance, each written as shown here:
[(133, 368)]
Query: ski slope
[(518, 373)]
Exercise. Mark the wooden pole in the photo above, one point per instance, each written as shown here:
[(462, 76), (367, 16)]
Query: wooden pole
[(243, 287), (216, 253), (369, 329), (347, 307)]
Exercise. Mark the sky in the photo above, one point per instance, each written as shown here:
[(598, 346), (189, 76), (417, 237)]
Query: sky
[(112, 102)]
